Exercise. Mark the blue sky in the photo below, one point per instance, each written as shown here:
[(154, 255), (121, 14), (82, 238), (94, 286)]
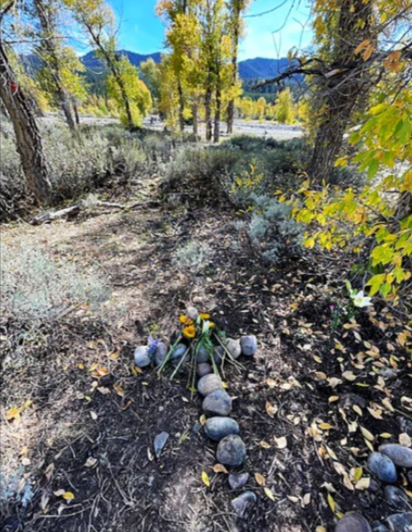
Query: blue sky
[(143, 32)]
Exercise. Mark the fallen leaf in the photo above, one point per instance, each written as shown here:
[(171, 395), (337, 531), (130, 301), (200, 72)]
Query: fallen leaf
[(68, 495), (363, 484), (13, 413), (269, 494), (93, 415), (281, 443), (205, 479), (220, 468), (271, 410), (405, 439), (368, 435), (90, 462), (260, 479), (265, 445)]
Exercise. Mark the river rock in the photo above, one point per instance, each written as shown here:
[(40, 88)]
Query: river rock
[(353, 522), (160, 353), (400, 522), (178, 352), (203, 355), (218, 354), (218, 403), (192, 313), (397, 498), (141, 356), (377, 526), (382, 467), (400, 455), (238, 481), (160, 442), (243, 502), (233, 347), (217, 428), (209, 384), (231, 451), (204, 369), (248, 345)]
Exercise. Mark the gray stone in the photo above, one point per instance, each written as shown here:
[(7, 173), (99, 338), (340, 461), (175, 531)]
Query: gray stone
[(389, 374), (400, 522), (238, 481), (353, 522), (177, 354), (350, 399), (218, 403), (405, 425), (160, 353), (141, 356), (204, 369), (218, 354), (382, 467), (400, 455), (397, 498), (231, 451), (233, 347), (217, 428), (241, 504), (409, 476), (209, 384), (192, 313), (248, 345), (377, 526), (160, 442), (203, 355)]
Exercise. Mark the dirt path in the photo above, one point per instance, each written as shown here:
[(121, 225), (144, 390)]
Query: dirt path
[(91, 428)]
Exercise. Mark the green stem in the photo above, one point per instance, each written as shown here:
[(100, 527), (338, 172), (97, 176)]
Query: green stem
[(168, 355), (231, 359), (180, 363)]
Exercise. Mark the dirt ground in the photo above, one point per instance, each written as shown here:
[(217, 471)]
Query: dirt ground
[(339, 390)]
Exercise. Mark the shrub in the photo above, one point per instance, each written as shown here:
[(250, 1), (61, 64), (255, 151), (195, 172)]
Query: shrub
[(271, 231), (193, 257), (36, 289)]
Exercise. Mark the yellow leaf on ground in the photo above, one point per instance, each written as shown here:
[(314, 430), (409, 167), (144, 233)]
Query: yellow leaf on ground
[(220, 468), (368, 435), (260, 479), (205, 479), (68, 495), (13, 413), (265, 445), (269, 494)]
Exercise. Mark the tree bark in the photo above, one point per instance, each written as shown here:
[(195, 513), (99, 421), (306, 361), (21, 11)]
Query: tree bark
[(50, 57), (181, 106), (208, 113), (76, 111), (236, 23), (338, 96), (195, 118), (28, 139), (216, 131)]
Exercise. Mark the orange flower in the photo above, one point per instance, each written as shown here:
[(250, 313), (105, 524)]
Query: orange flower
[(185, 320), (190, 331), (204, 315)]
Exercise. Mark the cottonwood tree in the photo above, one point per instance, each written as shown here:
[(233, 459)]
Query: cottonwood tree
[(28, 139)]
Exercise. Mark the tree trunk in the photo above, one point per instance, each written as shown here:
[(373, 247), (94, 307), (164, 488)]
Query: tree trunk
[(208, 113), (216, 131), (28, 140), (181, 106), (76, 112), (195, 118), (231, 105), (51, 58), (340, 95)]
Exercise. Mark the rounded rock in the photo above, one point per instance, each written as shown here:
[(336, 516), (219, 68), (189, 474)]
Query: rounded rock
[(160, 353), (204, 369), (178, 352), (397, 498), (218, 354), (208, 384), (192, 313), (202, 355), (218, 403), (233, 347), (141, 356), (353, 522), (382, 467), (248, 345), (241, 504), (400, 522), (217, 428), (231, 451), (400, 455), (238, 481)]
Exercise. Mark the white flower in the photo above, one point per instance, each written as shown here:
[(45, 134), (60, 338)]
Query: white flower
[(360, 300)]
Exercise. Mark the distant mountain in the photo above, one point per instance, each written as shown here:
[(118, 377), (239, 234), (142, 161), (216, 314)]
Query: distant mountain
[(258, 68)]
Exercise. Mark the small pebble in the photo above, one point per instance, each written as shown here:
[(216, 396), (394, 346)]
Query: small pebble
[(397, 498), (382, 467), (159, 443), (233, 346), (400, 455), (209, 384), (231, 451), (400, 522), (160, 353), (192, 313), (141, 356), (204, 369), (238, 481), (248, 345), (241, 504), (217, 428), (218, 403), (353, 522)]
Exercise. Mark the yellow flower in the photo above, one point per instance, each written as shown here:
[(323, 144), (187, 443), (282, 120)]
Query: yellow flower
[(211, 324), (190, 331), (185, 320), (204, 315)]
